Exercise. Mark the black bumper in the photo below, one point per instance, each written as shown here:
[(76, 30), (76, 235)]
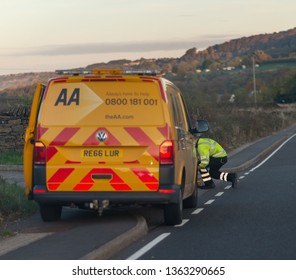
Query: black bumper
[(163, 196), (168, 191)]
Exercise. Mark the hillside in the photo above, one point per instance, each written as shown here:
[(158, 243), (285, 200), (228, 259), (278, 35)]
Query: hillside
[(275, 46), (15, 81), (267, 48)]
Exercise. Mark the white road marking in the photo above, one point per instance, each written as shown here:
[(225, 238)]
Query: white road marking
[(210, 201), (197, 211), (219, 193), (161, 237), (148, 246), (183, 223), (262, 162)]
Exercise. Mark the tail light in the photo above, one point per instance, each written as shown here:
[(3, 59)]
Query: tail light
[(39, 154), (166, 152)]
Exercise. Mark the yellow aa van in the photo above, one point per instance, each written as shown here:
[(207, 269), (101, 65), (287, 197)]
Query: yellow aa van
[(109, 137)]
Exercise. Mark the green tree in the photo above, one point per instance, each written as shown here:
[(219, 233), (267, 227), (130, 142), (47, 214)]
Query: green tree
[(286, 90), (207, 64)]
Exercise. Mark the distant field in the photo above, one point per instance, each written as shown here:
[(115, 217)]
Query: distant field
[(277, 65)]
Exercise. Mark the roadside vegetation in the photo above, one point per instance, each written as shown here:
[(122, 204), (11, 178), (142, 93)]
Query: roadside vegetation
[(11, 157), (14, 205), (234, 127)]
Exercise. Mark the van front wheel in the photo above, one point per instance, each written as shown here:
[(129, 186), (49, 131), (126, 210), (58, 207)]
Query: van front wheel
[(173, 212), (50, 212)]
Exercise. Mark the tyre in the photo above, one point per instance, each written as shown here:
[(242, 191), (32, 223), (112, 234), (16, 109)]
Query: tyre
[(50, 212), (173, 212), (191, 201)]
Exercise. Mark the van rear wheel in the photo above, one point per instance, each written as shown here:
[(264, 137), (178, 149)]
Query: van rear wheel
[(173, 212), (50, 212)]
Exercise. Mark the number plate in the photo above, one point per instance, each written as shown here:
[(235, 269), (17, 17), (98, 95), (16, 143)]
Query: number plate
[(102, 153)]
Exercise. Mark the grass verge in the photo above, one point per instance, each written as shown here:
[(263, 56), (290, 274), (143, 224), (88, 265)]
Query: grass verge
[(13, 205), (13, 157)]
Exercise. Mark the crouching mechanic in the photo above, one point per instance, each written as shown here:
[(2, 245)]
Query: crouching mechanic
[(212, 157)]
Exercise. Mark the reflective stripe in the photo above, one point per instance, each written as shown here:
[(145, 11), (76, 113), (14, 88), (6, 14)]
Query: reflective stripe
[(220, 153), (223, 176), (207, 143), (210, 147), (204, 157), (204, 161), (205, 175), (207, 179)]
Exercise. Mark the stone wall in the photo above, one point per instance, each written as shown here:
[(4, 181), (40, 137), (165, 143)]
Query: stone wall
[(12, 128)]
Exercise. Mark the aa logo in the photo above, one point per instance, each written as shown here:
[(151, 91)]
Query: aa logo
[(66, 100)]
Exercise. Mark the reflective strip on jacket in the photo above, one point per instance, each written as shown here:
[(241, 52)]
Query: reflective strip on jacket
[(207, 148)]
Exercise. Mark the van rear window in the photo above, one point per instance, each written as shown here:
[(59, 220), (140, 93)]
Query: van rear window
[(102, 103)]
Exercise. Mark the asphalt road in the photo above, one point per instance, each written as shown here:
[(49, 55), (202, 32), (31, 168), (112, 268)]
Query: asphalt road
[(256, 221), (223, 217)]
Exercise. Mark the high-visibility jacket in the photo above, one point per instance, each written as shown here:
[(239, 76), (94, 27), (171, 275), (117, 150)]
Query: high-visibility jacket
[(207, 148)]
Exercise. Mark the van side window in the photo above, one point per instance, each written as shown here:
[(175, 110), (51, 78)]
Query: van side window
[(179, 117), (173, 106), (186, 113)]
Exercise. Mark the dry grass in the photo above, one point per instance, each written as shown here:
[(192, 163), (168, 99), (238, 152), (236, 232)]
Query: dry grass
[(13, 202)]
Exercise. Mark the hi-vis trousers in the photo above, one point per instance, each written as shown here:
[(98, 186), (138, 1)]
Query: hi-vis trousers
[(212, 170)]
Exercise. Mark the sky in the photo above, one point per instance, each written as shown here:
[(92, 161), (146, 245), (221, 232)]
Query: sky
[(45, 35)]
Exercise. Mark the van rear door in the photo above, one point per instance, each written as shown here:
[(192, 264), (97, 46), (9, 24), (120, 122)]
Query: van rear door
[(103, 134), (29, 138)]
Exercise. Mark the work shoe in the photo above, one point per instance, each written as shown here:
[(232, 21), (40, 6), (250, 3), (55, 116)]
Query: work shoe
[(234, 180), (207, 186)]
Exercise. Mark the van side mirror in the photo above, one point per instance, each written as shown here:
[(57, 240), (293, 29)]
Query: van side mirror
[(201, 126)]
